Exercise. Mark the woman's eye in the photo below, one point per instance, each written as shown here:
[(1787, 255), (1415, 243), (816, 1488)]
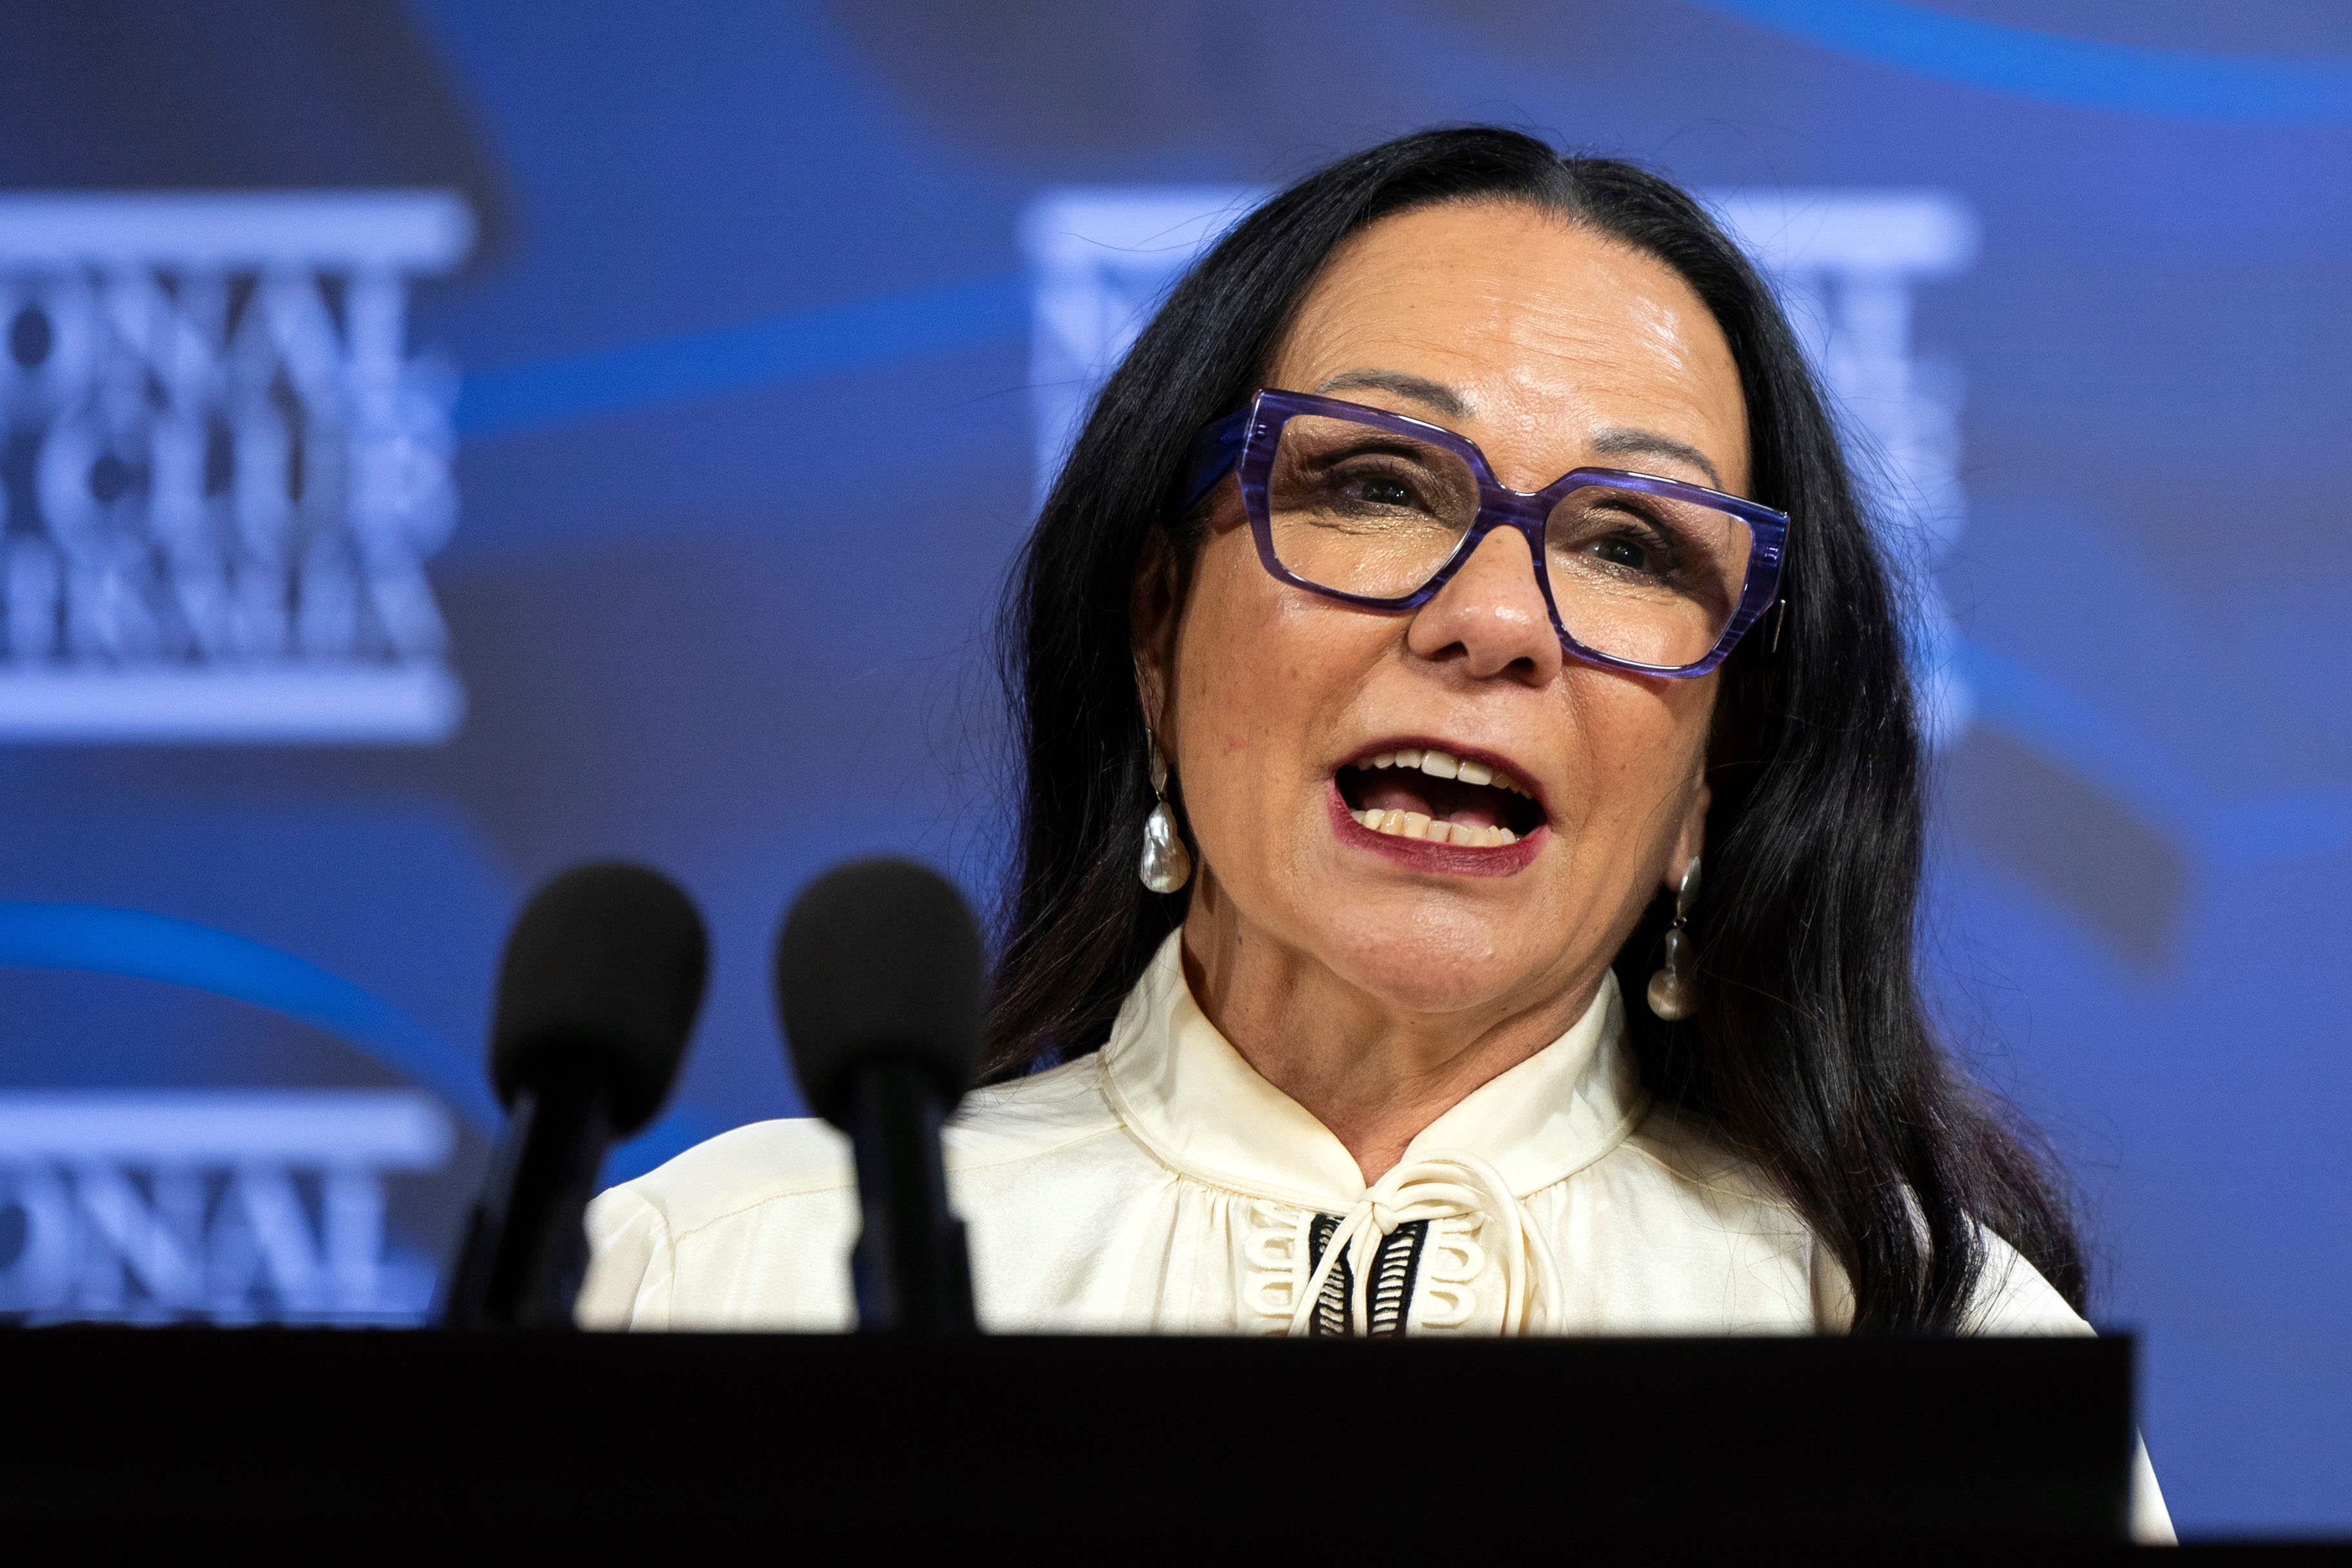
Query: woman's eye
[(1384, 492), (1624, 552)]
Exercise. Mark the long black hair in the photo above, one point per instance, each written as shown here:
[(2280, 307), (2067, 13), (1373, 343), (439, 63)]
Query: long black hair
[(1810, 1054)]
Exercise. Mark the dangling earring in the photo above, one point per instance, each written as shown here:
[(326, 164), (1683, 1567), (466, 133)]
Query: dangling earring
[(1166, 865), (1674, 990)]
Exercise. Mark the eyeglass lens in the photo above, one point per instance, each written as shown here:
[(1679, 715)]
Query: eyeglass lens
[(1368, 511)]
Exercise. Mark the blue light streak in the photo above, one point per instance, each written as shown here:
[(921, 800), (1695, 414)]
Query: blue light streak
[(2082, 72), (774, 351), (97, 939), (100, 940)]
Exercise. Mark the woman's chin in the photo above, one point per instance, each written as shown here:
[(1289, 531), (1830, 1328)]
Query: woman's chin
[(1427, 966)]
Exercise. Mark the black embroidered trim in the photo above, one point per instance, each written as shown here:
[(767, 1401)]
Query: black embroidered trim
[(1396, 1263), (1332, 1309), (1393, 1268)]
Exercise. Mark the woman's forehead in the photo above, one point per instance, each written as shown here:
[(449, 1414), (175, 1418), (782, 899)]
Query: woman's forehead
[(1547, 343)]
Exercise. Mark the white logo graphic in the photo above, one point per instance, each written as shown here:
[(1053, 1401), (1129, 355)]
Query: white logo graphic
[(229, 1206), (222, 472), (1100, 259), (1845, 262)]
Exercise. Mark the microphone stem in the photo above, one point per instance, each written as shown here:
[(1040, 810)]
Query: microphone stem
[(911, 1268), (526, 1249)]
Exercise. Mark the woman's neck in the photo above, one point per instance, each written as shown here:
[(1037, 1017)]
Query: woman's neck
[(1374, 1073)]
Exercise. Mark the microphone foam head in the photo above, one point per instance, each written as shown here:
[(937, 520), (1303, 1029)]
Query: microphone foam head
[(879, 957), (602, 974)]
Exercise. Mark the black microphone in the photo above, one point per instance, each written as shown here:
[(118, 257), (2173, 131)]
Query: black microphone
[(879, 977), (602, 976)]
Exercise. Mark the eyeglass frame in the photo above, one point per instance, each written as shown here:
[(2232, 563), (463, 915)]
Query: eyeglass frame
[(1245, 443)]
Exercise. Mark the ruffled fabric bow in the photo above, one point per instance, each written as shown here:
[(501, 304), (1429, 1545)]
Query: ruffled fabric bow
[(1445, 1184)]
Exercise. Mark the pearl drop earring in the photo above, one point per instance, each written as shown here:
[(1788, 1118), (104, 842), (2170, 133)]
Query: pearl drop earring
[(1674, 990), (1166, 865)]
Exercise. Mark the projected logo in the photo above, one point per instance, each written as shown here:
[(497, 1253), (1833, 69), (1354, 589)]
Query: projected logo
[(1847, 262), (224, 1206), (223, 471), (1099, 258)]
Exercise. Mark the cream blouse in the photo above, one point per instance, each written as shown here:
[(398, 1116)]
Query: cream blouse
[(1161, 1186)]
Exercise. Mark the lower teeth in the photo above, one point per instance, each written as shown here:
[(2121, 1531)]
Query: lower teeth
[(1414, 825)]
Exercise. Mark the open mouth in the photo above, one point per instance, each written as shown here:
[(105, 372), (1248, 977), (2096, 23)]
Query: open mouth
[(1421, 792)]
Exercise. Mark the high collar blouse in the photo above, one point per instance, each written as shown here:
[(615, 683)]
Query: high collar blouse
[(1161, 1185)]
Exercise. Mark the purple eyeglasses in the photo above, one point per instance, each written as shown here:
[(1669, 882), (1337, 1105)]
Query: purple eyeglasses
[(1375, 509)]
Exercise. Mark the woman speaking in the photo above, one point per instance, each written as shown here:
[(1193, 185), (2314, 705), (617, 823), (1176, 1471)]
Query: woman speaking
[(1470, 837)]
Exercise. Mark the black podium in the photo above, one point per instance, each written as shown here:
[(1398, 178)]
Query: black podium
[(336, 1440)]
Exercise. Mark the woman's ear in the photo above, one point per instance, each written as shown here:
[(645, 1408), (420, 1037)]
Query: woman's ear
[(1151, 626), (1690, 838)]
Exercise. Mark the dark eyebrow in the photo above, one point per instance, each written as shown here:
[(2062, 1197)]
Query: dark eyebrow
[(1650, 444), (1434, 395), (1447, 404)]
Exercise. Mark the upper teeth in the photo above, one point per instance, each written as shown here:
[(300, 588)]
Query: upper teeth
[(1444, 765)]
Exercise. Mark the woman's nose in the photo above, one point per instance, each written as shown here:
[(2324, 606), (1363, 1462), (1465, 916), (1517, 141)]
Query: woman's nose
[(1491, 615)]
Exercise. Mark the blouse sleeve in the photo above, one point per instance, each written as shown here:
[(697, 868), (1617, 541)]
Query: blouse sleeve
[(2012, 1298), (630, 1265)]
